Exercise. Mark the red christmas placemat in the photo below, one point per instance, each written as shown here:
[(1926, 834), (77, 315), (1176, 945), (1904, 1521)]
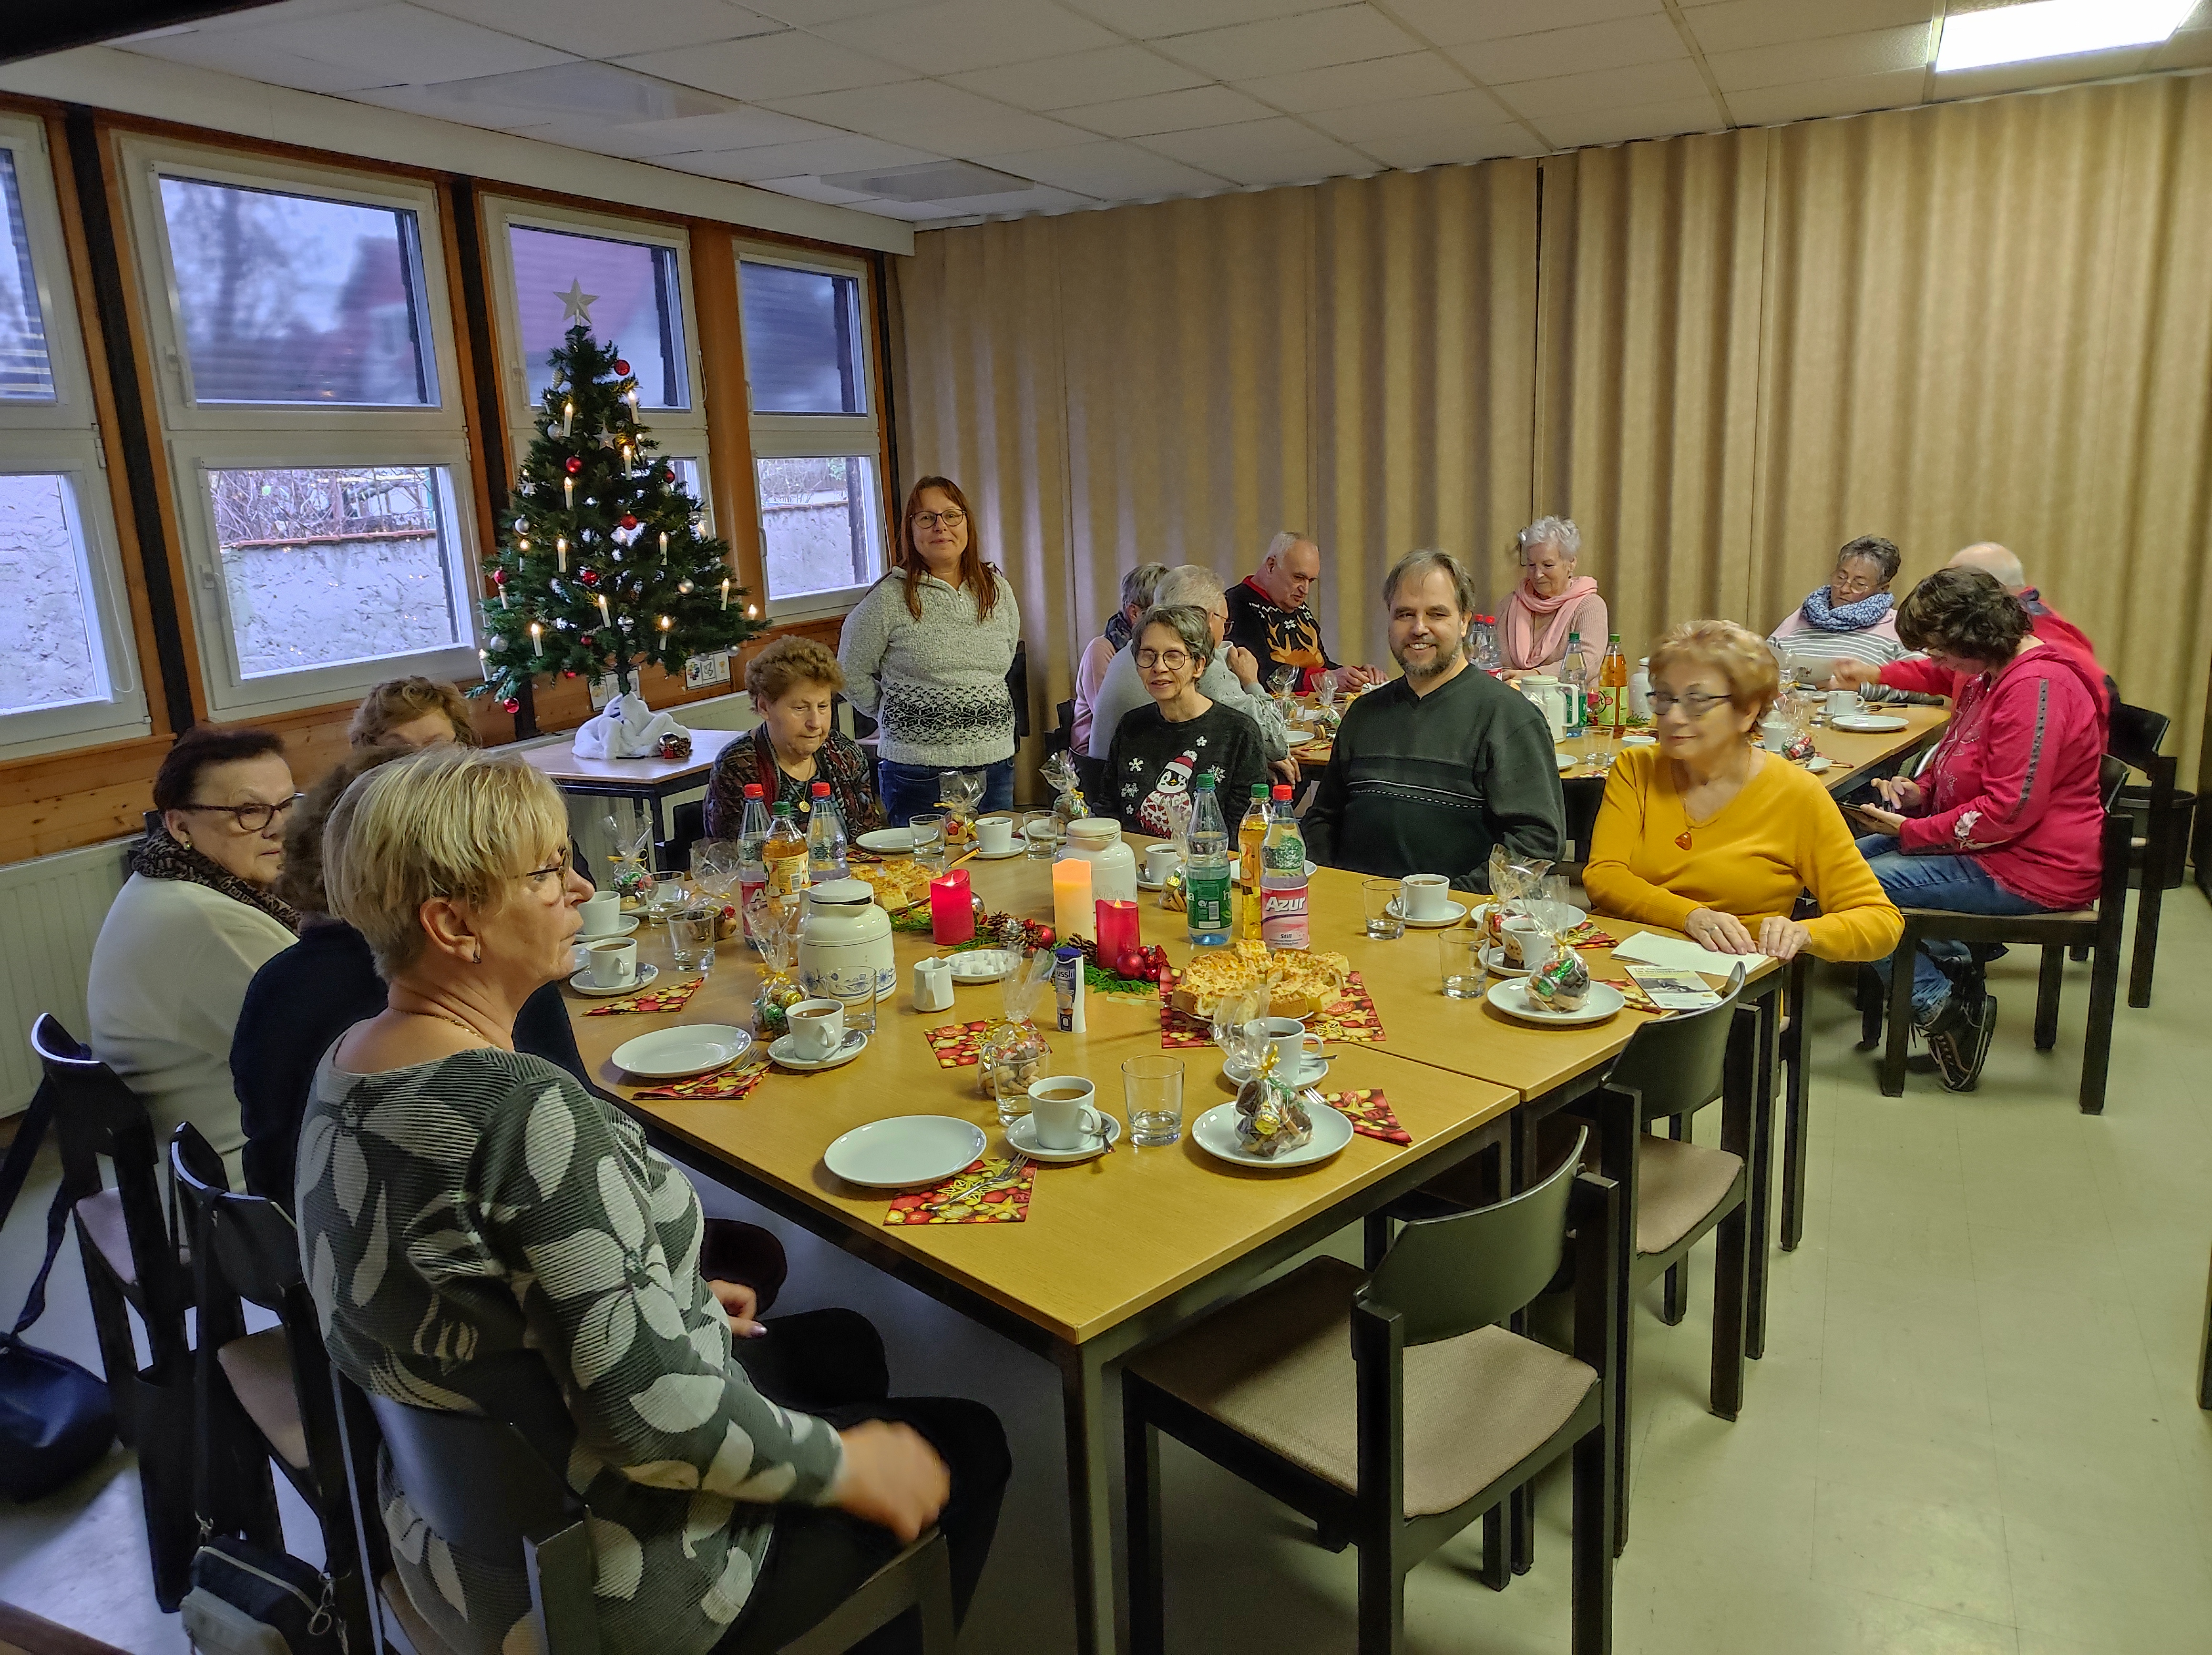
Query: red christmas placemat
[(1370, 1114), (1353, 1018), (985, 1194), (729, 1085), (957, 1046), (1588, 935), (670, 998), (1180, 1032)]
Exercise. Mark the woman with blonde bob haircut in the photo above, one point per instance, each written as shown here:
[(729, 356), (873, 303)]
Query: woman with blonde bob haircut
[(467, 1212), (1709, 834)]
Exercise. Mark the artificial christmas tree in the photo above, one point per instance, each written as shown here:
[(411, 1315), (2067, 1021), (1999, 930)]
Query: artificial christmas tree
[(601, 566)]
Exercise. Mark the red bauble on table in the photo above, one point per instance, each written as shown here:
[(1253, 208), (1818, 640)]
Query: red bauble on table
[(1130, 965), (575, 465), (1044, 936)]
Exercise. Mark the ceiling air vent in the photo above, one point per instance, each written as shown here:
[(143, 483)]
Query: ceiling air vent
[(929, 180)]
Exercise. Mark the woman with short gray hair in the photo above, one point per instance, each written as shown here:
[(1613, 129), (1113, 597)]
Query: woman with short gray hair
[(1138, 588), (1552, 603), (1160, 751)]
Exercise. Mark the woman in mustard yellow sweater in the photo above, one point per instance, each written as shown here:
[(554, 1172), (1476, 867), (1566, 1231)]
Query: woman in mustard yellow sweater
[(1708, 834)]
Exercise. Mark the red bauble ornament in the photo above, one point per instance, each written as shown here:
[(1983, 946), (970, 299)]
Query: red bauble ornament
[(587, 639), (621, 368), (627, 521), (668, 477), (1044, 936), (1130, 964), (567, 675), (589, 577), (511, 704), (575, 465), (498, 577)]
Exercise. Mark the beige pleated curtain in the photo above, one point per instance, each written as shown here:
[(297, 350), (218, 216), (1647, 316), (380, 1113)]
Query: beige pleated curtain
[(1722, 356)]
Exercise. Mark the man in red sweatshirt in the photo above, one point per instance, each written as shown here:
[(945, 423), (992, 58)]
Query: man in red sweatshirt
[(2006, 818)]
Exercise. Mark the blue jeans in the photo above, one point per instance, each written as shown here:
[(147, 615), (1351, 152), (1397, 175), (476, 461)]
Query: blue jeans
[(1958, 883), (910, 790)]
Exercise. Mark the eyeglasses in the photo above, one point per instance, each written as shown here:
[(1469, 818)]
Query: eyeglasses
[(249, 818), (1695, 705), (559, 865), (1173, 659), (931, 520)]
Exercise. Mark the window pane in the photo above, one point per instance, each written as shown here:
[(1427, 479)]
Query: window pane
[(49, 630), (820, 528), (25, 373), (638, 306), (335, 564), (802, 341), (292, 298)]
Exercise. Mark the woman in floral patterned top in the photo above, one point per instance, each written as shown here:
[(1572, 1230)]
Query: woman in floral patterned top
[(460, 1202), (793, 684)]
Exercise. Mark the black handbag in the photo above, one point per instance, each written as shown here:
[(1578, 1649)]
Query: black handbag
[(55, 1417), (248, 1600)]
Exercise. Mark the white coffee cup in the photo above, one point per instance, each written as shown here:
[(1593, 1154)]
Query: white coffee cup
[(1293, 1061), (1061, 1105), (1842, 703), (602, 913), (1160, 861), (995, 835), (1774, 734), (818, 1028), (612, 964), (1526, 942), (1425, 896)]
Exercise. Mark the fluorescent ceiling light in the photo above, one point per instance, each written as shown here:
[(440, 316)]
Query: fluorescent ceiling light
[(2054, 28)]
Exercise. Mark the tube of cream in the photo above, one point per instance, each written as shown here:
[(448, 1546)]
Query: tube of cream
[(1067, 988)]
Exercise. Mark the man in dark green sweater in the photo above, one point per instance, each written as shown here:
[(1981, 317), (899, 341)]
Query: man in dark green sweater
[(1432, 769)]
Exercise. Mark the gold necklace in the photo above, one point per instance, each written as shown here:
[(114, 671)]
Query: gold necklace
[(448, 1016)]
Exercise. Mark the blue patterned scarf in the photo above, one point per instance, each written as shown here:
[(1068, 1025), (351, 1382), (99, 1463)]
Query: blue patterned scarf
[(1117, 632), (1823, 616)]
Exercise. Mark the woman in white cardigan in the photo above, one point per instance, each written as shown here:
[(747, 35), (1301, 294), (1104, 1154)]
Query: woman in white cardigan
[(193, 923)]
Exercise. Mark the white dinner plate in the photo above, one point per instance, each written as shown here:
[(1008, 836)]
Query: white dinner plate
[(1512, 997), (1022, 1134), (582, 982), (1453, 914), (888, 841), (1567, 760), (1215, 1133), (1868, 724), (785, 1051), (904, 1151), (983, 965), (623, 927), (670, 1054)]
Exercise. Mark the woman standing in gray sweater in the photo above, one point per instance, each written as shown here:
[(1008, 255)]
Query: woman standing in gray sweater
[(926, 653)]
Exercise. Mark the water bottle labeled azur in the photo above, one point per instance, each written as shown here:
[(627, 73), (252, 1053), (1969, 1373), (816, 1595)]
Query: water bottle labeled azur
[(1283, 922)]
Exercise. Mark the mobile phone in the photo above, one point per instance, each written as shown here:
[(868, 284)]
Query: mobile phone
[(1857, 814)]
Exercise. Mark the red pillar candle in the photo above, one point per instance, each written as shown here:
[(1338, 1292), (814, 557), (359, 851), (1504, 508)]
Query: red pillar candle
[(1117, 931), (952, 911)]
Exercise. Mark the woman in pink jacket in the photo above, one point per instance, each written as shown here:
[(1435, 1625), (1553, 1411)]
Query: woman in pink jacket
[(2006, 818)]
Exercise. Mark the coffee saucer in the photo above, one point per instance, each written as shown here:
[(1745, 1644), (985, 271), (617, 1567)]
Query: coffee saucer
[(623, 927), (1453, 914), (1494, 962), (1315, 1070), (1022, 1134), (582, 982), (785, 1052), (999, 855)]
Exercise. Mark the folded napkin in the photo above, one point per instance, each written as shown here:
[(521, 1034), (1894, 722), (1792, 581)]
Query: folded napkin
[(1650, 949), (957, 1046), (1587, 936), (727, 1086), (974, 1197), (1370, 1114), (670, 998)]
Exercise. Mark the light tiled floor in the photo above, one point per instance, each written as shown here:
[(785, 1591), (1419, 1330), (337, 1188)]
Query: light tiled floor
[(1974, 1430)]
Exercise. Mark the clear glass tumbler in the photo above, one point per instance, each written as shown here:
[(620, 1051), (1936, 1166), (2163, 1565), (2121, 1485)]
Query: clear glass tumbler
[(691, 938), (928, 841), (1385, 917), (1460, 950), (1040, 832), (1151, 1095)]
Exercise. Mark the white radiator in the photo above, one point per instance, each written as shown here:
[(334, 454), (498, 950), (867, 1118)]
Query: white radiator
[(51, 909)]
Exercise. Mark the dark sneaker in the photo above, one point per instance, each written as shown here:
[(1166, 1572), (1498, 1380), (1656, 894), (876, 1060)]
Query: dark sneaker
[(1959, 1039)]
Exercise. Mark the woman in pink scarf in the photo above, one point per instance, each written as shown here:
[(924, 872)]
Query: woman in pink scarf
[(1552, 602)]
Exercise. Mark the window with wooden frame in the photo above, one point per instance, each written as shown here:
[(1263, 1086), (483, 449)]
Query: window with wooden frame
[(816, 431), (71, 676), (314, 419)]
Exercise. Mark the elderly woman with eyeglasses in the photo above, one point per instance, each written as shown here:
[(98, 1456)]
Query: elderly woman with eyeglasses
[(1553, 605), (1160, 751), (196, 918), (1709, 834)]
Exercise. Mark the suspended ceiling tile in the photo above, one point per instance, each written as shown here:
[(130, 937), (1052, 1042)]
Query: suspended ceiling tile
[(1098, 76), (735, 128), (1771, 106), (1283, 45), (1109, 171), (1876, 52), (847, 152), (1605, 90), (1453, 22), (591, 28), (1733, 25), (807, 188), (2043, 72), (1012, 205), (285, 11), (234, 53), (790, 65), (960, 35), (1153, 20), (1583, 50), (1401, 119), (1410, 74), (1616, 125), (1166, 112), (1279, 151), (807, 14), (406, 43), (492, 117), (930, 115)]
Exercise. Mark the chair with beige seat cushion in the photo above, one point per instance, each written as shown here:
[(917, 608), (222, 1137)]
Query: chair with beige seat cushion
[(1394, 1408)]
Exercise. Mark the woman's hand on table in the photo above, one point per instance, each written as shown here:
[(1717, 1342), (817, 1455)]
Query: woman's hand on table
[(741, 1304), (1785, 939), (1719, 933), (892, 1477)]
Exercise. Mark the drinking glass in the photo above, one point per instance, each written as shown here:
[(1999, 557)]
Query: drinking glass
[(1151, 1095), (716, 864), (928, 841), (1040, 832), (1385, 918), (691, 938), (1460, 948)]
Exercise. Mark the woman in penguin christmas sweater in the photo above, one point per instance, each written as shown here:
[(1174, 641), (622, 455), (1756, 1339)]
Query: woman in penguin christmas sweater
[(1160, 751)]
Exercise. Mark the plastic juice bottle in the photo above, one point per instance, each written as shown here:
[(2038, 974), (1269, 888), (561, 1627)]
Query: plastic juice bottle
[(1485, 652), (1574, 673), (752, 833), (1251, 835), (825, 838), (1609, 703), (784, 854), (1206, 873), (1282, 879)]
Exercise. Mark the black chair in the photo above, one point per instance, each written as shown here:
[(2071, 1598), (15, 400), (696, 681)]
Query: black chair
[(481, 1485), (263, 1396), (1796, 1094), (1017, 689), (1675, 1192), (131, 1270), (1060, 740), (2135, 736), (1301, 1390)]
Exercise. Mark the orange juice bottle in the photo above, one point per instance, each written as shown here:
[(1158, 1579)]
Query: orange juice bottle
[(1609, 703), (1251, 835)]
